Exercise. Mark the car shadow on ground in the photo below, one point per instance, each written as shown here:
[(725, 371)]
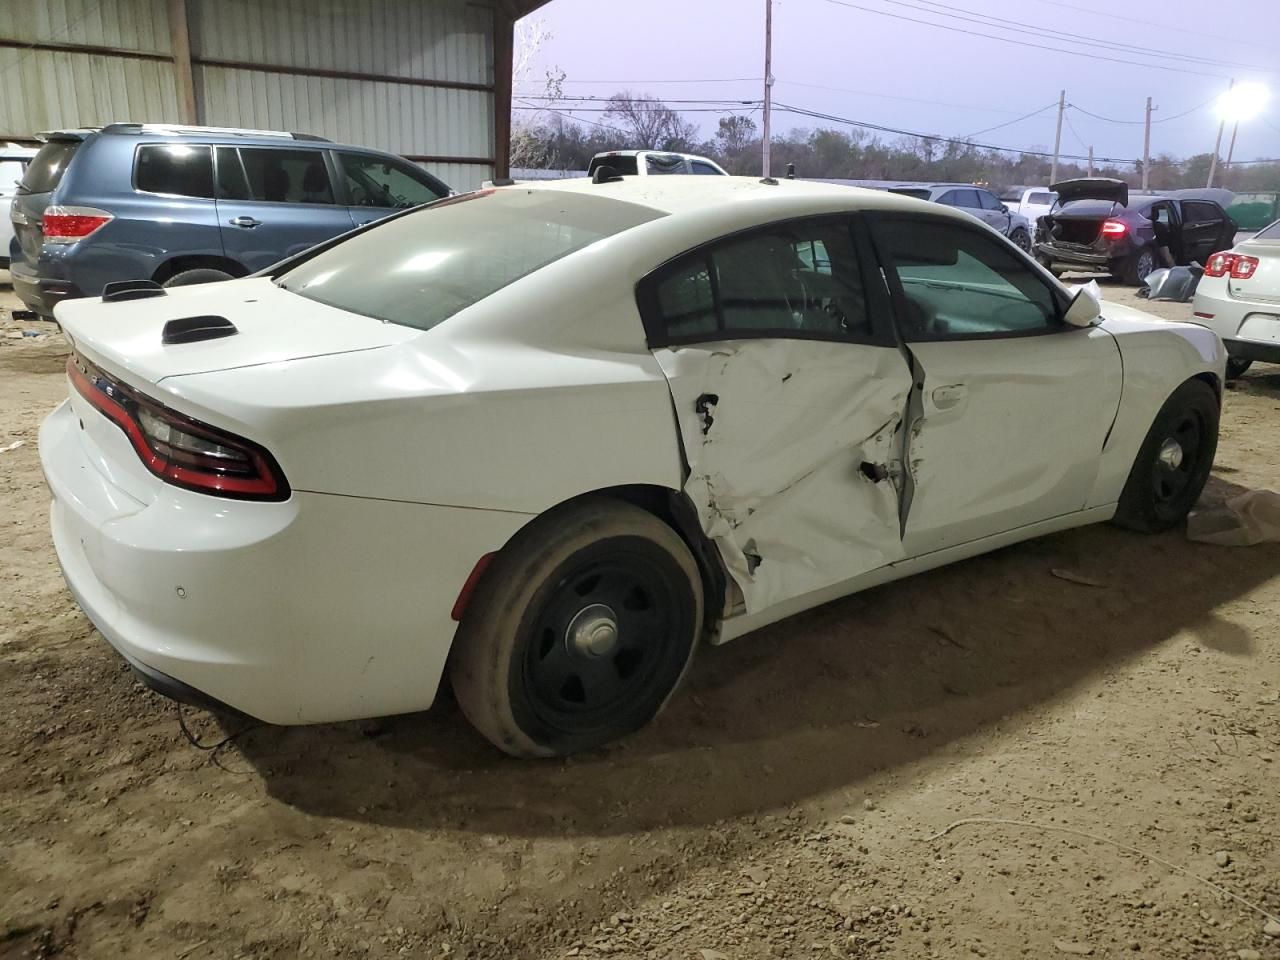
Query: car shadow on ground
[(1262, 379), (811, 705)]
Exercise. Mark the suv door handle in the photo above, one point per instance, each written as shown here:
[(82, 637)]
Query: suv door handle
[(247, 222)]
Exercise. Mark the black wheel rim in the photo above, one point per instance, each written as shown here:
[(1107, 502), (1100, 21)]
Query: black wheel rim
[(1177, 459), (601, 649)]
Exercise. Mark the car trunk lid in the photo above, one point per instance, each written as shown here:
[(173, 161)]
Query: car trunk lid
[(1091, 188), (269, 324), (1264, 285)]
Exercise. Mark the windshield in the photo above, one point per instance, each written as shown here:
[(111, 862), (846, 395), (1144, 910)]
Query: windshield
[(1269, 233), (419, 269)]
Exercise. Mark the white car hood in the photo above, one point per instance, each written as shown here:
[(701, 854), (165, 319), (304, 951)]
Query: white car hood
[(273, 325)]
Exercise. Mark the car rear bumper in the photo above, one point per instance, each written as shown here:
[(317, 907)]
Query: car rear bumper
[(1250, 329), (321, 608), (41, 294), (1072, 258)]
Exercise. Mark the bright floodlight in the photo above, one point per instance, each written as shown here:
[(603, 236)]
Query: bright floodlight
[(1243, 101)]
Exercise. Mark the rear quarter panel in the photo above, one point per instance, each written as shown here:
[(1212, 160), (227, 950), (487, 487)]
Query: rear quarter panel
[(1158, 357)]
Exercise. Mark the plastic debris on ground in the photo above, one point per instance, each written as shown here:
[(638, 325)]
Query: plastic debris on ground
[(1244, 520), (1177, 284)]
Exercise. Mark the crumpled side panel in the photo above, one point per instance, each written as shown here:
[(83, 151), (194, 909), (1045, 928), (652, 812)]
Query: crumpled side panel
[(776, 433)]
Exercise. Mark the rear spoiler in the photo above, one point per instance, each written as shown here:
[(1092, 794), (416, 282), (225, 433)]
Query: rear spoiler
[(78, 134)]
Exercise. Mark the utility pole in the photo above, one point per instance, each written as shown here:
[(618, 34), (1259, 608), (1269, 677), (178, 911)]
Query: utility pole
[(1146, 149), (1213, 163), (1091, 161), (1235, 128), (768, 79), (1057, 140)]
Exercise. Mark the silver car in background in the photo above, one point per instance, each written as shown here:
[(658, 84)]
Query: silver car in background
[(977, 202), (1239, 298)]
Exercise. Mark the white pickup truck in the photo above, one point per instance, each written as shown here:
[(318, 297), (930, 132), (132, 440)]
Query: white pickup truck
[(1032, 202), (651, 163), (13, 163)]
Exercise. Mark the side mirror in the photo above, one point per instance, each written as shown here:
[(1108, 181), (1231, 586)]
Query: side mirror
[(1083, 311), (1004, 208)]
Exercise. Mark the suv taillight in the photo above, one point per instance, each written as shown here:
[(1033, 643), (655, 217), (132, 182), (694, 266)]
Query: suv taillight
[(1114, 228), (178, 449), (69, 224), (1239, 266)]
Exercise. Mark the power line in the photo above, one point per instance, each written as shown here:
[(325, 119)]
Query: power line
[(669, 80), (1070, 37), (584, 99), (1009, 123), (1147, 23), (1023, 43), (1176, 116), (1074, 133), (890, 96), (800, 111)]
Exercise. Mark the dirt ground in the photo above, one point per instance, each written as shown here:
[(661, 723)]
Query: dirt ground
[(788, 804)]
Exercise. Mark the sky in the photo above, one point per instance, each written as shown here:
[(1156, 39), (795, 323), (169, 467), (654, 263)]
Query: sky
[(840, 58)]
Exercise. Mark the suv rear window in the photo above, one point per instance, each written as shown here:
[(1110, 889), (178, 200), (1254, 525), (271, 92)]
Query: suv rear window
[(625, 166), (48, 166), (177, 169), (421, 268)]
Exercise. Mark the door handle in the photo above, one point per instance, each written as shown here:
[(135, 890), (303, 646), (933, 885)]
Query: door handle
[(944, 398), (247, 222)]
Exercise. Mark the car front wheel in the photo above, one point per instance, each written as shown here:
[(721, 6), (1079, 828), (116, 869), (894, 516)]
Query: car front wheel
[(1174, 461), (579, 631), (1022, 239)]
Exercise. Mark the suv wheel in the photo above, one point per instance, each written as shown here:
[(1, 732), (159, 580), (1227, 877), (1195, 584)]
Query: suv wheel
[(198, 275)]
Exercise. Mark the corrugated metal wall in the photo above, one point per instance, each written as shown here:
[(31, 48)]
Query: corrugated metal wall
[(47, 89), (441, 40), (414, 77)]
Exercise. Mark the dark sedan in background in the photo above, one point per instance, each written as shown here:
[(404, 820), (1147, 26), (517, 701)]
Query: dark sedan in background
[(1097, 227)]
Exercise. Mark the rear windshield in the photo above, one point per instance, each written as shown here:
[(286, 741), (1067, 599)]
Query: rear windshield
[(625, 166), (910, 192), (1098, 208), (420, 269), (48, 166), (1269, 233)]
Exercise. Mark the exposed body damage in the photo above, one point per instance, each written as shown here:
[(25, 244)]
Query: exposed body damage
[(793, 448)]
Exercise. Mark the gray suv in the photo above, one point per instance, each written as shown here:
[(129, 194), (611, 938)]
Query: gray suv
[(983, 204), (179, 205)]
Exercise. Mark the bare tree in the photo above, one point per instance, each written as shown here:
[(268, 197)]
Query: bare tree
[(648, 122)]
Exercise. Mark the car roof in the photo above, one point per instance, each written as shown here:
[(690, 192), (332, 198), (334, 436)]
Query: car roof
[(676, 195), (168, 133)]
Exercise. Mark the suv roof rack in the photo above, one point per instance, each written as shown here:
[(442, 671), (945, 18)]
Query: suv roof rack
[(185, 129)]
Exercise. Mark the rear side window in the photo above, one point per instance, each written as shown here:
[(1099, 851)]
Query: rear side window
[(421, 268), (799, 279), (625, 166), (967, 199), (1269, 233), (1042, 199), (1200, 211), (657, 164), (280, 176), (46, 170), (177, 169)]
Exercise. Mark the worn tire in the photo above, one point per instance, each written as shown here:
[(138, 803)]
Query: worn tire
[(1157, 496), (520, 667), (1137, 267), (1236, 367), (1022, 239), (198, 275)]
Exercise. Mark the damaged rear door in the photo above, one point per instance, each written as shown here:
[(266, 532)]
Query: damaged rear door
[(1012, 406), (790, 394)]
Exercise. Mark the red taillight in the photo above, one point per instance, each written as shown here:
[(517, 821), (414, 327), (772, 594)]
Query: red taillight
[(69, 224), (1239, 266), (1114, 228), (178, 449), (1219, 264), (1244, 267)]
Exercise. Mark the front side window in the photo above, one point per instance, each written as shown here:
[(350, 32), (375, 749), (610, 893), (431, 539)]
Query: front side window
[(793, 279), (1042, 199), (702, 168), (959, 283), (988, 200), (656, 164), (421, 268), (284, 176), (177, 169), (378, 182)]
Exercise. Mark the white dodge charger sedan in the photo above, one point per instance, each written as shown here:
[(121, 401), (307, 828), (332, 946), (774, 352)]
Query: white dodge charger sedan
[(553, 438)]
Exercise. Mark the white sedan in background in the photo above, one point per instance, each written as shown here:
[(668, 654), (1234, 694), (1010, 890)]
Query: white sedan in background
[(1239, 297), (552, 438)]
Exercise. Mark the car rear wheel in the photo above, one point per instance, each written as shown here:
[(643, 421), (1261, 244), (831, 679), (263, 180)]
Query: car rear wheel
[(579, 631), (1174, 461), (1236, 367), (1138, 267), (198, 275)]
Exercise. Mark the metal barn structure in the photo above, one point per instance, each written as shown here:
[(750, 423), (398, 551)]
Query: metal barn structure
[(428, 79)]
